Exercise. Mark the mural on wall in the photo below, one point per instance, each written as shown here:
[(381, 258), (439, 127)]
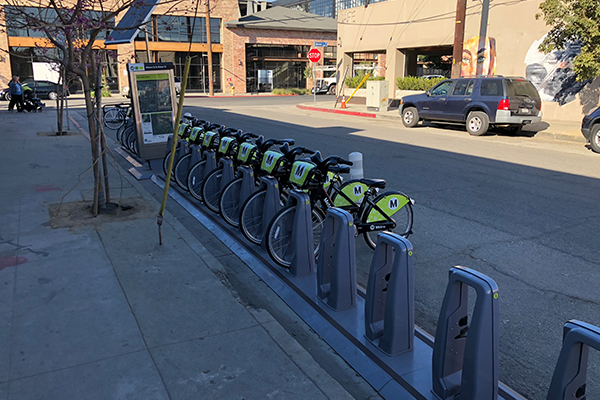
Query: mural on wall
[(479, 56), (552, 74)]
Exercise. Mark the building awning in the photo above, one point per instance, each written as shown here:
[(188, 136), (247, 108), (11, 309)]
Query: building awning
[(129, 26), (282, 18)]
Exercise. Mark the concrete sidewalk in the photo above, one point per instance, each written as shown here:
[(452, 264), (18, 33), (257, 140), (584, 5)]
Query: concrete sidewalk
[(550, 129), (94, 308)]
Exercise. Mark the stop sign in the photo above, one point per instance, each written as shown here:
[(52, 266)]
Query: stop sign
[(314, 55)]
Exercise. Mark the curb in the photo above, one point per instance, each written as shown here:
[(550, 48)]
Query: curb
[(335, 111), (565, 137)]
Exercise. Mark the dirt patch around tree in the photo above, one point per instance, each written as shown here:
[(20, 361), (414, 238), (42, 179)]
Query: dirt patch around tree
[(55, 134), (79, 214)]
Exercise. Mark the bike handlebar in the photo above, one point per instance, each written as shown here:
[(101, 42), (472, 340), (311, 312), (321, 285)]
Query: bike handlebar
[(324, 165)]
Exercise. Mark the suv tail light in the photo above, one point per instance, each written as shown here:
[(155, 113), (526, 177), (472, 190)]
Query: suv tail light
[(504, 104)]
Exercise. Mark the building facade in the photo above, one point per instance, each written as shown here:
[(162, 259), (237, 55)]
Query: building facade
[(404, 32)]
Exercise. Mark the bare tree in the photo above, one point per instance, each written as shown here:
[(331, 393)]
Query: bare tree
[(76, 29)]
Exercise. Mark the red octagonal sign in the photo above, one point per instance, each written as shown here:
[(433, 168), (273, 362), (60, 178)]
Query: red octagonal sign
[(314, 55)]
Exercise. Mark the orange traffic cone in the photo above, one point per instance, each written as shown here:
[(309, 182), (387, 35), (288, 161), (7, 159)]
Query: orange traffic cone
[(343, 102)]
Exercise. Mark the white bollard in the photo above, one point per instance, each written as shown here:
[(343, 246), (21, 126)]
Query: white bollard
[(356, 170)]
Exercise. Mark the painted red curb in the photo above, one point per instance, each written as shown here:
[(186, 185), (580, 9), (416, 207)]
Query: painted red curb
[(335, 111), (240, 95)]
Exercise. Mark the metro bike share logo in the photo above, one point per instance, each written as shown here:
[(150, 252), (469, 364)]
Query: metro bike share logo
[(358, 190), (269, 160), (393, 203), (299, 171)]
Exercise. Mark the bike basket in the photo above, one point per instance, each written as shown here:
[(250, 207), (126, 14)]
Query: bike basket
[(182, 128), (208, 139), (389, 204), (225, 144), (245, 151), (195, 132), (355, 191), (301, 171), (270, 161)]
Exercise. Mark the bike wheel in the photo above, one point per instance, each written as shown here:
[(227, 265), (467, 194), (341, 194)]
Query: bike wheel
[(113, 119), (130, 140), (403, 219), (279, 235), (166, 162), (211, 190), (229, 203), (124, 134), (195, 178), (251, 216), (181, 171), (119, 133)]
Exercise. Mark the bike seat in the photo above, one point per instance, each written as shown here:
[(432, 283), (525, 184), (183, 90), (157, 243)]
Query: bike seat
[(338, 169), (377, 183)]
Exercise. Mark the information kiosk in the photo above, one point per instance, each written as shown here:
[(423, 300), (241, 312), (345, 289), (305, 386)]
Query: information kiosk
[(152, 89)]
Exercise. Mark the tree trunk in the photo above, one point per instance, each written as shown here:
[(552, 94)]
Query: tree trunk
[(89, 108), (100, 127)]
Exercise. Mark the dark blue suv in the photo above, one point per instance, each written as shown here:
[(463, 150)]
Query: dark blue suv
[(478, 102), (590, 127)]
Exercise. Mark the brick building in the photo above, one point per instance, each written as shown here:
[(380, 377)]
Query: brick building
[(277, 40)]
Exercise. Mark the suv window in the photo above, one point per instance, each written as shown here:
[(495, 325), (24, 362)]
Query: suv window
[(521, 87), (464, 87), (491, 88), (442, 89)]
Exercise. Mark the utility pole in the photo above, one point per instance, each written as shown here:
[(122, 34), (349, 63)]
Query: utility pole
[(485, 11), (211, 89), (148, 54), (459, 37)]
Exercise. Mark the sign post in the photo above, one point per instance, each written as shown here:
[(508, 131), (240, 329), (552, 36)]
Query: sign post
[(314, 55)]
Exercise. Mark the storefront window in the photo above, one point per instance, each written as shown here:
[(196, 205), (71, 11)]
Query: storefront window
[(24, 21), (285, 64), (179, 29), (198, 74)]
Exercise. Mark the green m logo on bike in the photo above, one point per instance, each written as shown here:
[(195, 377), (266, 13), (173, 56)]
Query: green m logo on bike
[(389, 204), (270, 161), (195, 131), (245, 150), (182, 129), (354, 191), (225, 143), (300, 172), (208, 138)]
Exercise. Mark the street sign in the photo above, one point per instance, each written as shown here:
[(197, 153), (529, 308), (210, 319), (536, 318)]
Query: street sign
[(314, 55), (320, 44)]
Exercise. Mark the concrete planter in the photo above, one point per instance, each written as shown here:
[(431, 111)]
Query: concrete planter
[(401, 93), (397, 95), (359, 93)]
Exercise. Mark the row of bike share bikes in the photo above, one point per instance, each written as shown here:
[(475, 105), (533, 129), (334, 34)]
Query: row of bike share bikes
[(249, 181)]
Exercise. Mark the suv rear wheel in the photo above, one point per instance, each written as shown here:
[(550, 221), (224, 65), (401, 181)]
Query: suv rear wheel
[(410, 117), (477, 123), (595, 138)]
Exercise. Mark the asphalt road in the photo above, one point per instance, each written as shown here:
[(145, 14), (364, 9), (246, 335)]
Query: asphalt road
[(522, 210)]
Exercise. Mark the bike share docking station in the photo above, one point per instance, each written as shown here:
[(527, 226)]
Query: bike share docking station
[(373, 329), (381, 324)]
